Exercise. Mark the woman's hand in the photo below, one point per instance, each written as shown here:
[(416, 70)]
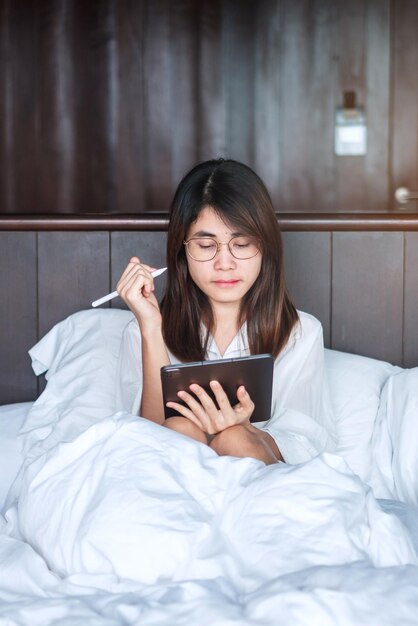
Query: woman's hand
[(202, 410), (136, 287)]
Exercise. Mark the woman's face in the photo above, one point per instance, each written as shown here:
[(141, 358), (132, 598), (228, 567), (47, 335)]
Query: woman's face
[(224, 279)]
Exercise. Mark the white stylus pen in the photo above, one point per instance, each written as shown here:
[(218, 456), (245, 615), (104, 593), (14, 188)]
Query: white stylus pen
[(114, 294)]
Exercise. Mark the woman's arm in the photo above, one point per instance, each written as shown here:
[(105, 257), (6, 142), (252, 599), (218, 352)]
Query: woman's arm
[(136, 287), (154, 356)]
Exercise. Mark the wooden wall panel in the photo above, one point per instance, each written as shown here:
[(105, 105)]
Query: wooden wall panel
[(131, 183), (149, 247), (363, 286), (104, 105), (73, 271), (184, 67), (18, 130), (410, 344), (211, 88), (157, 105), (239, 75), (367, 294), (377, 102), (268, 97), (362, 46), (7, 173), (404, 130), (307, 259), (55, 106), (18, 316), (307, 106), (95, 99), (351, 45)]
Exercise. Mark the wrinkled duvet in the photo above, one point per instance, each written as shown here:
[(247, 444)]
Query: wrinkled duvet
[(125, 522)]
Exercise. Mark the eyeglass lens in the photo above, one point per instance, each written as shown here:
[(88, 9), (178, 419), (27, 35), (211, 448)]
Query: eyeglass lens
[(205, 248)]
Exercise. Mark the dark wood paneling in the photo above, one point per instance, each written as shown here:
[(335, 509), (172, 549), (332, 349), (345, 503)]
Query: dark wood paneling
[(131, 146), (350, 45), (411, 301), (367, 294), (307, 106), (73, 271), (7, 173), (308, 272), (18, 316), (95, 98), (184, 77), (18, 134), (373, 303), (157, 105), (404, 129), (377, 103), (55, 106), (268, 97), (105, 105), (239, 75), (306, 222), (211, 89), (149, 247), (362, 40)]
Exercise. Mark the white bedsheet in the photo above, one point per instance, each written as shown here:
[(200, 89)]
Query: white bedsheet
[(128, 522)]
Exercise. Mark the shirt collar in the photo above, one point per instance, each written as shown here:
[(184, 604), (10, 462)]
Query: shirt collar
[(238, 346)]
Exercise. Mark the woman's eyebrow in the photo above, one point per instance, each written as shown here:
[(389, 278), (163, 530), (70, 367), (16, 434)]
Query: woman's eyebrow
[(205, 233)]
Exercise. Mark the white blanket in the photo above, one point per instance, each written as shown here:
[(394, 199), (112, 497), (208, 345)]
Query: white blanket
[(128, 522)]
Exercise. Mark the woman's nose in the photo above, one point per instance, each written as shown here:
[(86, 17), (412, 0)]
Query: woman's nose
[(224, 258)]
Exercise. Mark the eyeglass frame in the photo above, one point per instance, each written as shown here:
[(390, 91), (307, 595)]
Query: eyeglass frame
[(218, 247)]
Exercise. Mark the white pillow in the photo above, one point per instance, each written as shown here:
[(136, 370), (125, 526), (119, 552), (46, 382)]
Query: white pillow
[(12, 416), (395, 440), (80, 355), (356, 383)]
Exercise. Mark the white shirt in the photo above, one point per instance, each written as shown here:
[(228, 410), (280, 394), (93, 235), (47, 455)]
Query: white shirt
[(302, 421)]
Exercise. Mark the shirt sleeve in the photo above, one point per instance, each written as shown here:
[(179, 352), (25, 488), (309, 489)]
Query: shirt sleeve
[(129, 374), (302, 421)]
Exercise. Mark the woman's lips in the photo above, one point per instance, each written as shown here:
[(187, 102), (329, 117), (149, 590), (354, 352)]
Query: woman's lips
[(224, 284)]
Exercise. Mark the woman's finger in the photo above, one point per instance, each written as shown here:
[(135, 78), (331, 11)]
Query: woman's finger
[(138, 279), (245, 405), (220, 395), (205, 400), (133, 266), (233, 414), (196, 407), (220, 415), (129, 270), (133, 285), (185, 412)]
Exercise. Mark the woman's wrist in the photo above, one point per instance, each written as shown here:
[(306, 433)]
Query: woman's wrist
[(150, 330)]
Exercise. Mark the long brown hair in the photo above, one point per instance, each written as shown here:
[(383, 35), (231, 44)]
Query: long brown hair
[(241, 199)]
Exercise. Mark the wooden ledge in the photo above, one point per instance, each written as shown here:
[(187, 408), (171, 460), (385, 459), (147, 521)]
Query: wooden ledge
[(159, 221)]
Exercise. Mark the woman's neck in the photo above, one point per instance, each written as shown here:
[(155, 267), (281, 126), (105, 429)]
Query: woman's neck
[(225, 326)]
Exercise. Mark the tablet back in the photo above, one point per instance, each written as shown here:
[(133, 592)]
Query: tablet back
[(255, 372)]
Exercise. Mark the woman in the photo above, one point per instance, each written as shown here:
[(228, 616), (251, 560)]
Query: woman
[(226, 297)]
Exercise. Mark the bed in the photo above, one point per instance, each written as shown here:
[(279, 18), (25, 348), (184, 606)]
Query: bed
[(109, 519)]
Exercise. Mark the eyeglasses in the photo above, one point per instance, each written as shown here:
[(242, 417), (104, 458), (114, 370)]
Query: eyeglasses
[(206, 248)]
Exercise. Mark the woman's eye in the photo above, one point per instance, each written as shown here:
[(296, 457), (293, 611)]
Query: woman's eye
[(242, 243), (206, 246)]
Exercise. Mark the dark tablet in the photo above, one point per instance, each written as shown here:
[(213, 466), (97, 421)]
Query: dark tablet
[(254, 372)]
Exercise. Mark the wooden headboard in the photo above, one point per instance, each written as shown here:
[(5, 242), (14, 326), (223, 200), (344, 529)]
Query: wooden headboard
[(358, 273)]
